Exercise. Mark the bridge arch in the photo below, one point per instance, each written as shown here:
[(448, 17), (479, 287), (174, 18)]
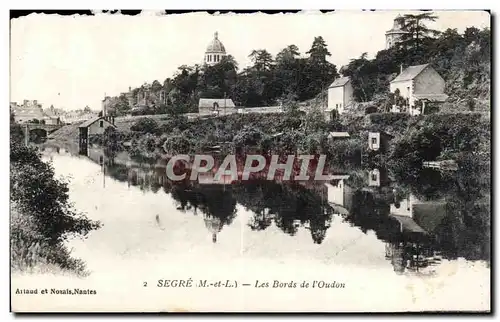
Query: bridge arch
[(38, 130), (38, 135)]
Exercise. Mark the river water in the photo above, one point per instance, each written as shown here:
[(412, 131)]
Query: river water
[(345, 238)]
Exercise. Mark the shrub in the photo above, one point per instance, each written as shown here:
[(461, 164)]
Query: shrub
[(42, 217), (145, 125), (177, 145)]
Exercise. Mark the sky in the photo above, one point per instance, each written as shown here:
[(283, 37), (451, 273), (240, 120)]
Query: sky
[(74, 61)]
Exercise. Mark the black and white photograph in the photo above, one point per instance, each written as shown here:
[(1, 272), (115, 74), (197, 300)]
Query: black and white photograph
[(333, 161)]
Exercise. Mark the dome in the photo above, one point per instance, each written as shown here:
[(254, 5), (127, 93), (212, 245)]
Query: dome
[(216, 46)]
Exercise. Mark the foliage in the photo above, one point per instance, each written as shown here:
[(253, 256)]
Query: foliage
[(463, 60), (262, 84), (417, 32), (42, 216), (145, 125), (177, 145), (429, 136), (249, 136)]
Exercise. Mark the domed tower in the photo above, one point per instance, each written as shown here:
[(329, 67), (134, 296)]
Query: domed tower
[(394, 35), (214, 225), (215, 51)]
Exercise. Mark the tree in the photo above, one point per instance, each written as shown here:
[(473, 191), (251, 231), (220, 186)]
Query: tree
[(319, 49), (261, 59), (122, 105), (417, 32), (290, 53), (318, 72), (145, 125)]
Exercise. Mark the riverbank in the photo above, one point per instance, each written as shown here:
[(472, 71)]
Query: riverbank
[(409, 141), (42, 218)]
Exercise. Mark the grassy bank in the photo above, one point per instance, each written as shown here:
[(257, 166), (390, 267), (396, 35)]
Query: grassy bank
[(413, 139), (42, 218)]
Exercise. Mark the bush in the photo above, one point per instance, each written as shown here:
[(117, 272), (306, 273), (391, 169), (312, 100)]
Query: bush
[(177, 145), (249, 136), (42, 217), (145, 125)]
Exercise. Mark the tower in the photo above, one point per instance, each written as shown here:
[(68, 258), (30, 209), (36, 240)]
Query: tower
[(394, 35), (215, 51)]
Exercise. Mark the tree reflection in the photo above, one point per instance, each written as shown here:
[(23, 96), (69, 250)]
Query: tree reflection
[(453, 208), (288, 205)]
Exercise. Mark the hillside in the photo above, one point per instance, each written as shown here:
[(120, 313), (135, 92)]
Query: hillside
[(463, 60)]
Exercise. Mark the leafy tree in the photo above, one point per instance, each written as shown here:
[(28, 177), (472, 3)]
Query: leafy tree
[(262, 60), (417, 31), (145, 125), (319, 50)]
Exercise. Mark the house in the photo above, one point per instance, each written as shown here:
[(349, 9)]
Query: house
[(93, 126), (379, 141), (338, 135), (340, 95), (416, 84), (339, 194), (216, 106), (377, 178), (52, 120)]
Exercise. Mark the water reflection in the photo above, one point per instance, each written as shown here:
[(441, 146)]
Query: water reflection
[(422, 219)]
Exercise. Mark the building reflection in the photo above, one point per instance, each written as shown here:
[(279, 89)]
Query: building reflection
[(420, 222)]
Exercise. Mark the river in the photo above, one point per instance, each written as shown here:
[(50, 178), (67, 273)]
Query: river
[(339, 235)]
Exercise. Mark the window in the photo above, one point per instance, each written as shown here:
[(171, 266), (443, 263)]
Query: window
[(374, 177), (336, 105), (101, 123), (374, 140)]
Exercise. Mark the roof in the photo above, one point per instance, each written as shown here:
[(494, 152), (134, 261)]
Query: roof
[(338, 135), (383, 133), (215, 45), (408, 224), (432, 97), (209, 102), (410, 73), (92, 121), (340, 82), (429, 215)]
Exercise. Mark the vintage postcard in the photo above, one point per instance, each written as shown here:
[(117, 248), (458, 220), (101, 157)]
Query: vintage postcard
[(305, 161)]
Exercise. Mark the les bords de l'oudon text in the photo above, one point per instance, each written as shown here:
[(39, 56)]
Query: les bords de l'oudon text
[(256, 284)]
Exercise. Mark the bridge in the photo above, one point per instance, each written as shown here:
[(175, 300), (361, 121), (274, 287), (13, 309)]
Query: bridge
[(48, 128)]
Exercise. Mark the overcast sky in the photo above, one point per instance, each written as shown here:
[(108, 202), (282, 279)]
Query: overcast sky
[(72, 61)]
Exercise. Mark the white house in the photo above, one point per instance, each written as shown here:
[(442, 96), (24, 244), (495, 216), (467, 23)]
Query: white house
[(340, 95), (416, 83)]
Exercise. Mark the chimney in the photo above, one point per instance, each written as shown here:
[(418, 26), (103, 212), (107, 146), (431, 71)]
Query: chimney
[(401, 68), (104, 107)]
